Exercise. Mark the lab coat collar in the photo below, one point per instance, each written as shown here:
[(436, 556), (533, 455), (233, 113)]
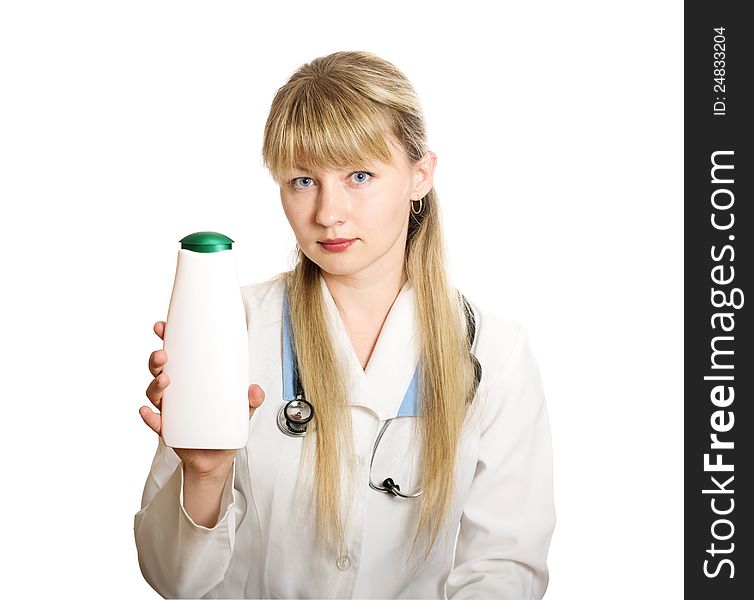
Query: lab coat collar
[(385, 385)]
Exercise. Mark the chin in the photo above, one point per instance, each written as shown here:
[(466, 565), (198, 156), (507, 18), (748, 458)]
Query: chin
[(339, 265), (335, 268)]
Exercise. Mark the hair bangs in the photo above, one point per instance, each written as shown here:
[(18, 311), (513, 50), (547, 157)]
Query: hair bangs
[(324, 128)]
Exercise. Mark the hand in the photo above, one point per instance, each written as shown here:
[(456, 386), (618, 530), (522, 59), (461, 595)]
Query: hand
[(201, 462)]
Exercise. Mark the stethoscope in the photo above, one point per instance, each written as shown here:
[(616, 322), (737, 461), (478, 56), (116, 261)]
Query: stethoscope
[(294, 416)]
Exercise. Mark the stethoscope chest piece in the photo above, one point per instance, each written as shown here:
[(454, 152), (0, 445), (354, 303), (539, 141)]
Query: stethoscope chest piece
[(294, 416)]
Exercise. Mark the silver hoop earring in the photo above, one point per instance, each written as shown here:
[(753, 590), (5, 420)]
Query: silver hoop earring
[(421, 206)]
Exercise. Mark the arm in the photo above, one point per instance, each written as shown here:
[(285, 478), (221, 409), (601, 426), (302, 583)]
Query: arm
[(178, 557), (509, 516)]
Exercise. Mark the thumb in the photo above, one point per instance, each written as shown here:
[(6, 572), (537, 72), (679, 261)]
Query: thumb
[(256, 397), (153, 419)]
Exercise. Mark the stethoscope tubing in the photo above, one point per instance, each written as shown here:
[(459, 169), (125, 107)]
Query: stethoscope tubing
[(392, 489), (293, 429)]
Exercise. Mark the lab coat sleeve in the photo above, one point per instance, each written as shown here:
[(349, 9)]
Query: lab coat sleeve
[(509, 515), (177, 557)]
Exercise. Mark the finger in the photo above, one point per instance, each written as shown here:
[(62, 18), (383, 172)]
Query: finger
[(156, 389), (256, 397), (157, 361), (153, 419), (159, 329)]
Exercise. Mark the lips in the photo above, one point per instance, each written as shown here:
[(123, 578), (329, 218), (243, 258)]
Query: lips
[(337, 244)]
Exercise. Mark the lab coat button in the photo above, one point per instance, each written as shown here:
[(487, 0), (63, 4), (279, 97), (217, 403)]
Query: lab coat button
[(343, 562)]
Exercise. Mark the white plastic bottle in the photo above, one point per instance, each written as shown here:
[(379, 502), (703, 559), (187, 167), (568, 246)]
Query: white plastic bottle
[(206, 404)]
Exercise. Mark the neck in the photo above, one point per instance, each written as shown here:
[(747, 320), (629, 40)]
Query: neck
[(365, 299)]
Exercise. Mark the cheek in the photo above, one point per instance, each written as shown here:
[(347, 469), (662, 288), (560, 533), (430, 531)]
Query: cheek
[(386, 214), (297, 215)]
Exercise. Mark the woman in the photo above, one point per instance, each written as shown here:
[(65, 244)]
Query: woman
[(415, 477)]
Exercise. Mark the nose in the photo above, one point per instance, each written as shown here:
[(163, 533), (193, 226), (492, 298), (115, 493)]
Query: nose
[(333, 204)]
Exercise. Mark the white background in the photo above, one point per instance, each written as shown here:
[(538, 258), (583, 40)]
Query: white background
[(126, 125)]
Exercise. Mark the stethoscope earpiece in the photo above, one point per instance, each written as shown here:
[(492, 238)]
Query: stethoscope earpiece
[(390, 485)]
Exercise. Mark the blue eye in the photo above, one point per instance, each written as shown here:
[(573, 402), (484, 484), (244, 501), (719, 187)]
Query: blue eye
[(361, 176), (302, 179)]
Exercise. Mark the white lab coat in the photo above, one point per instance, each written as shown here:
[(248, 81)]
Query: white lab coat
[(502, 515)]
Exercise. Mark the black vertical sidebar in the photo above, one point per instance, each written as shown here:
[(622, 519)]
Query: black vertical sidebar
[(718, 301)]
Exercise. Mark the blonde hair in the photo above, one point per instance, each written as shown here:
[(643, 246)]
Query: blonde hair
[(332, 112)]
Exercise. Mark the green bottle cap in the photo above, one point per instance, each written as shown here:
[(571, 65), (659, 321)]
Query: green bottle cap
[(206, 241)]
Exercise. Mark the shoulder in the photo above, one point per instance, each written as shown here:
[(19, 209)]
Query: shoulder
[(268, 290), (497, 337), (504, 350), (264, 298), (510, 391)]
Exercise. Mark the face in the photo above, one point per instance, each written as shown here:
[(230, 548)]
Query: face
[(367, 204)]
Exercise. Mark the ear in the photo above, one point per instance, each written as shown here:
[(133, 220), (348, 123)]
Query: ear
[(424, 173)]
